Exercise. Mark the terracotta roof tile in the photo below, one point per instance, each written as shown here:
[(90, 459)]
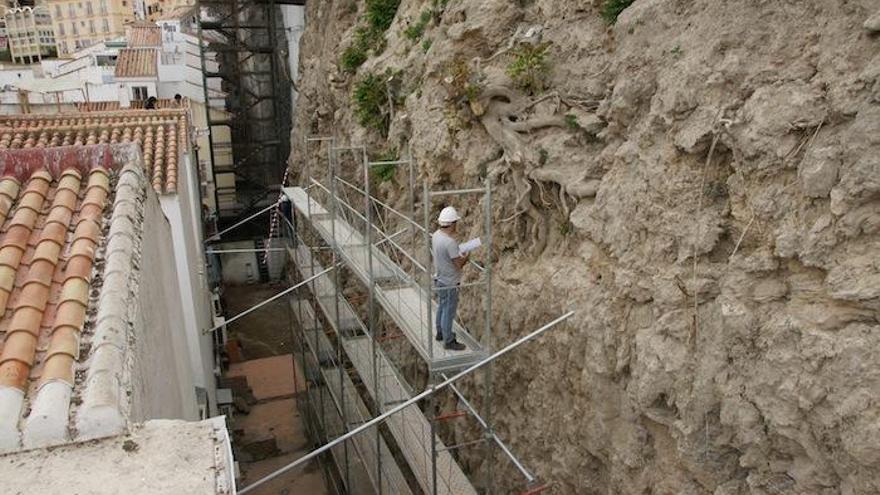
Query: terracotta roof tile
[(143, 127), (24, 329), (145, 36), (137, 62)]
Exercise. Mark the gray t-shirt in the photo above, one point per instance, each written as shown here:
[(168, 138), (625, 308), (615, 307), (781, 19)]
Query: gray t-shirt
[(444, 249)]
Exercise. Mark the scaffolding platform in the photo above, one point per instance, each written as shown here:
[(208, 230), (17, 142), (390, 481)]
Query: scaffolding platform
[(409, 312), (299, 196), (392, 478), (358, 483), (410, 428), (346, 321), (400, 296), (314, 333)]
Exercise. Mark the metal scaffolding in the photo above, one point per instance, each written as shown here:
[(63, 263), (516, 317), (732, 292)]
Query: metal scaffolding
[(248, 101), (353, 364)]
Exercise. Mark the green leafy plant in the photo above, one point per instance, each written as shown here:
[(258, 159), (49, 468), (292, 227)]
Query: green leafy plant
[(472, 91), (417, 29), (370, 98), (543, 156), (369, 37), (571, 121), (386, 171), (565, 228), (612, 8), (460, 81), (352, 58), (676, 51), (530, 69), (380, 13), (426, 45)]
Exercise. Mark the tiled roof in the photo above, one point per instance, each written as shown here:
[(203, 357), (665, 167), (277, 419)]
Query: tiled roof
[(161, 134), (137, 62), (72, 223), (52, 205), (140, 36)]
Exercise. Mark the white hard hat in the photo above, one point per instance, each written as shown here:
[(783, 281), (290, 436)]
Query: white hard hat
[(448, 216)]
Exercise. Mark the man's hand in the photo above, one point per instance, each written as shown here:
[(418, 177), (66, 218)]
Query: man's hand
[(461, 260)]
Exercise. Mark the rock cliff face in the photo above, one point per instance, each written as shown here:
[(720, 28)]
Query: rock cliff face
[(699, 180)]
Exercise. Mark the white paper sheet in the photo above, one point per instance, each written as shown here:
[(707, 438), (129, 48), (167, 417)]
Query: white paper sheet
[(470, 245)]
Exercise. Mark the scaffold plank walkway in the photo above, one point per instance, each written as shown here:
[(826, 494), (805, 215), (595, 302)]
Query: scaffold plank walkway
[(355, 409), (305, 316), (353, 248), (410, 428), (324, 291), (409, 311), (358, 483), (405, 301)]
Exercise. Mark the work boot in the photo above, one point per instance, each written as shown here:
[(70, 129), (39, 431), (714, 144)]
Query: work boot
[(455, 346), (439, 338)]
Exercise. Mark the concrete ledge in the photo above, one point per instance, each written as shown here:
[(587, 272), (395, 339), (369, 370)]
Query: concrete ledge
[(157, 458)]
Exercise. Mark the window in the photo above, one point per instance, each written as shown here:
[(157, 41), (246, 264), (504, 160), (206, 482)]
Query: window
[(89, 10), (71, 10), (139, 93), (104, 7), (73, 29), (58, 11), (92, 26), (106, 26)]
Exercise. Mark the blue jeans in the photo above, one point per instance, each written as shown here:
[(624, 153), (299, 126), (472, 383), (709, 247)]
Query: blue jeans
[(447, 304)]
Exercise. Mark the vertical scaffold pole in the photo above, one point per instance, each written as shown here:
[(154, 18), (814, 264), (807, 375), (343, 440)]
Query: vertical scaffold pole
[(412, 196), (489, 337), (371, 317), (429, 265), (426, 206), (331, 169)]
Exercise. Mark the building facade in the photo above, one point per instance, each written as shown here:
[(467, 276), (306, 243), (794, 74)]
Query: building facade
[(30, 34), (154, 10), (81, 23)]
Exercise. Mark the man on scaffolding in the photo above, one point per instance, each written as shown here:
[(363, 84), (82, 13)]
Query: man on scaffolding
[(448, 263)]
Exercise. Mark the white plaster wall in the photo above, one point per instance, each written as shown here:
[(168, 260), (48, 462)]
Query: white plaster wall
[(294, 22), (163, 380), (184, 212), (237, 266)]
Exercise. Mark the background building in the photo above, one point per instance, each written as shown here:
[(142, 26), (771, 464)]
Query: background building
[(154, 10), (30, 34), (81, 23)]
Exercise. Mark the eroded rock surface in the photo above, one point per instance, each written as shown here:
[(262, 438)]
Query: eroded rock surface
[(745, 134)]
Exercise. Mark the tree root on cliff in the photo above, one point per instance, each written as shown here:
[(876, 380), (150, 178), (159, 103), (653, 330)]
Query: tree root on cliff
[(500, 111)]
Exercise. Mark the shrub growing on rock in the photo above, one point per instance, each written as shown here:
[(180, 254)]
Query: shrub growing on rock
[(369, 37), (529, 68), (612, 8), (370, 98), (380, 13)]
